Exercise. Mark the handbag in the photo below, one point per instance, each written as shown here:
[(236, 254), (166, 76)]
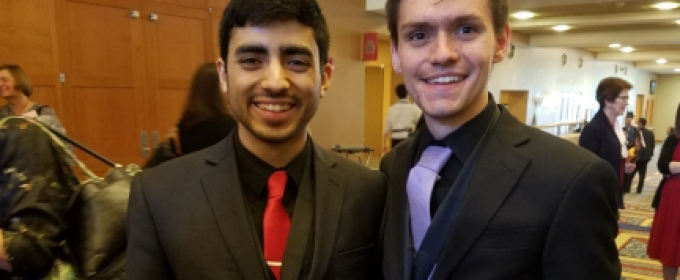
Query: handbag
[(96, 238)]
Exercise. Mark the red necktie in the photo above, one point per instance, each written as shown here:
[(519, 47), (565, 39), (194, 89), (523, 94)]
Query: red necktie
[(276, 223)]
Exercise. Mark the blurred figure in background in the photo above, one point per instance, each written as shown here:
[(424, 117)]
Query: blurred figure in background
[(630, 130), (16, 89), (644, 155), (665, 234), (604, 136), (205, 120), (402, 119)]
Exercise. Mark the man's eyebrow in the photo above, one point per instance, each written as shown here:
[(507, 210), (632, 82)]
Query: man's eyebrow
[(296, 50), (424, 23), (251, 49)]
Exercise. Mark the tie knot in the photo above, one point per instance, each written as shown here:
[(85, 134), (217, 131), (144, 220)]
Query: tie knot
[(434, 157), (277, 183)]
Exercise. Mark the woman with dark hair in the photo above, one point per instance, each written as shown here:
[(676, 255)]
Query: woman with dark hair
[(204, 121), (604, 135), (664, 238), (16, 89)]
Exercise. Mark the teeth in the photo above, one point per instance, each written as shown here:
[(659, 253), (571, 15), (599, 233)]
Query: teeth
[(274, 107), (445, 80)]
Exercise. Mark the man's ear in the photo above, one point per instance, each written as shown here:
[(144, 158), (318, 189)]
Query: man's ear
[(223, 76), (396, 62), (326, 78), (502, 44)]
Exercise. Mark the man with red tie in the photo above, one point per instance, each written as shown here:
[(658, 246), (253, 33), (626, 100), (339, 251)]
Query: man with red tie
[(266, 202)]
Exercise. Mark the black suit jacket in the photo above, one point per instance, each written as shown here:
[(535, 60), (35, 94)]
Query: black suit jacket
[(534, 204), (188, 219), (647, 152), (598, 136)]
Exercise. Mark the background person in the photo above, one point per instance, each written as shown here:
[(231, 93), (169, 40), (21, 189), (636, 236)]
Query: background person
[(645, 154), (16, 89), (402, 119), (665, 233), (603, 135)]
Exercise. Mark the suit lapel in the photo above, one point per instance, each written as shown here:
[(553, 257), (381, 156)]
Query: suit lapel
[(224, 194), (301, 224), (400, 260), (329, 196), (485, 194)]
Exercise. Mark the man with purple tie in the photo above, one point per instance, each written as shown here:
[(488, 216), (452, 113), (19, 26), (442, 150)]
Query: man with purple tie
[(476, 194)]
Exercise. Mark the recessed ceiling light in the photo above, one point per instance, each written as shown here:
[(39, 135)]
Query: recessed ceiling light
[(523, 15), (666, 5), (615, 46), (677, 69), (561, 28), (677, 21), (627, 49), (661, 61)]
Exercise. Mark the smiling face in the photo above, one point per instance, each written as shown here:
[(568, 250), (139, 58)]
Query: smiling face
[(7, 85), (274, 80), (445, 52)]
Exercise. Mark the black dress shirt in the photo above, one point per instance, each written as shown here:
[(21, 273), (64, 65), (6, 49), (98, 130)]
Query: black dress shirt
[(462, 142), (254, 174)]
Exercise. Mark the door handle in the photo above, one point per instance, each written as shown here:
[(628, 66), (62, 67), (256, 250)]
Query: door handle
[(145, 144)]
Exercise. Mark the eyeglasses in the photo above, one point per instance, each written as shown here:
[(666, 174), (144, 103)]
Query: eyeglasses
[(624, 97)]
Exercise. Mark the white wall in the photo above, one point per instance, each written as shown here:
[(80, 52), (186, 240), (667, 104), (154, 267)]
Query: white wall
[(540, 71), (666, 101)]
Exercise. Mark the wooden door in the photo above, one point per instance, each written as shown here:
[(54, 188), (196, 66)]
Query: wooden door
[(639, 103), (373, 120), (100, 43), (200, 4), (516, 102), (28, 39), (650, 113), (176, 44)]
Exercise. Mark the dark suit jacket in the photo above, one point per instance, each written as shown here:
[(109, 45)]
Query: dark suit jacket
[(538, 207), (598, 136), (631, 132), (647, 152), (188, 219)]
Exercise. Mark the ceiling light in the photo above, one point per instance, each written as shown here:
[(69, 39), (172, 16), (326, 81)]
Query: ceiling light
[(677, 21), (666, 5), (677, 69), (523, 15), (561, 28), (615, 46), (627, 49), (661, 61)]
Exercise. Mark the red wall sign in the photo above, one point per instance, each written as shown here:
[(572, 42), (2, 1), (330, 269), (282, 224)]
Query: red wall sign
[(370, 46)]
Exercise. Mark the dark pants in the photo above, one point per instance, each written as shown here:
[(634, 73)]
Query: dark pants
[(641, 168)]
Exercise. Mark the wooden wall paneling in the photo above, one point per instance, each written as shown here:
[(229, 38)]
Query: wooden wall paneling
[(201, 4), (218, 5), (176, 45), (216, 20), (101, 53), (29, 40)]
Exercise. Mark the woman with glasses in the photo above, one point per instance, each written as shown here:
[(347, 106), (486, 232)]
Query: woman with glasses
[(604, 136)]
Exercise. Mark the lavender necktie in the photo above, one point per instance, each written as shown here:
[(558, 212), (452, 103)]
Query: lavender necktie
[(419, 187)]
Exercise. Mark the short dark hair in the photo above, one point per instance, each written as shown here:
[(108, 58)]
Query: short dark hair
[(499, 11), (630, 115), (401, 91), (241, 13), (642, 121), (205, 98), (21, 80), (610, 88)]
